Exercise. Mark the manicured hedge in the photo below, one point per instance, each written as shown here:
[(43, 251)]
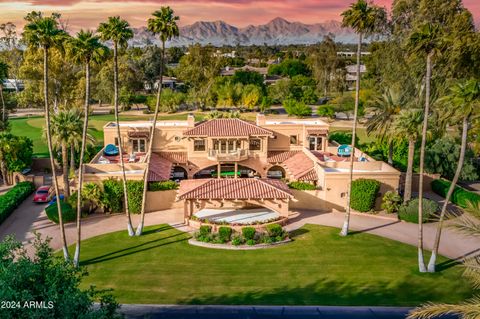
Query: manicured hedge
[(162, 186), (409, 211), (459, 197), (112, 198), (364, 192), (135, 195), (13, 198), (68, 213), (303, 186)]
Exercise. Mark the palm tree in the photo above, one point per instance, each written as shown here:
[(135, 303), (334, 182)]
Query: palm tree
[(470, 308), (164, 23), (119, 32), (3, 76), (66, 129), (365, 18), (425, 40), (386, 107), (84, 49), (407, 124), (465, 100), (44, 33)]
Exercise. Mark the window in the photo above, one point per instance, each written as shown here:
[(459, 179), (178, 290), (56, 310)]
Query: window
[(199, 145), (116, 141), (138, 145), (293, 139), (255, 144)]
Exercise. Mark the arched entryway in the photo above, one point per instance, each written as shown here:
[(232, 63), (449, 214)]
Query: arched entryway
[(179, 173), (276, 172)]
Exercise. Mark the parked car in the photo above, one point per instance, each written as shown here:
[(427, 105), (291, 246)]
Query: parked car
[(54, 199), (43, 194)]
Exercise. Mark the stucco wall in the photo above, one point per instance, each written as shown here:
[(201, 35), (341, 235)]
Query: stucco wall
[(162, 200)]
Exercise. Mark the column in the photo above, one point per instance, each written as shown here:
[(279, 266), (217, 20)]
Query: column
[(236, 169), (219, 166)]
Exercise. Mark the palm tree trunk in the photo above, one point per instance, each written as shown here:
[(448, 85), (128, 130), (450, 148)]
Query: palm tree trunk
[(390, 153), (3, 106), (421, 260), (150, 147), (407, 194), (433, 257), (119, 137), (72, 159), (66, 186), (76, 257), (346, 223), (50, 152)]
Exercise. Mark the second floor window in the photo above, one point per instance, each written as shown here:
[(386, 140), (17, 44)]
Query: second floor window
[(199, 145), (255, 144), (138, 145), (293, 139)]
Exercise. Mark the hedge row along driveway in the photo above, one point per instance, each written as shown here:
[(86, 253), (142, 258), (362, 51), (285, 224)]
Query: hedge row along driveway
[(13, 198)]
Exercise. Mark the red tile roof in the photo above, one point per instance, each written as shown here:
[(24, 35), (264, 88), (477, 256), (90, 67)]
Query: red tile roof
[(234, 188), (280, 156), (317, 131), (160, 169), (310, 175), (175, 157), (227, 127), (298, 165)]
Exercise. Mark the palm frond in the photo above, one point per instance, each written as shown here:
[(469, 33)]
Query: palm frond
[(469, 309), (472, 270)]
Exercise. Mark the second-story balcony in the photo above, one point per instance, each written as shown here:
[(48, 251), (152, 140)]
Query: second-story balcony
[(230, 156)]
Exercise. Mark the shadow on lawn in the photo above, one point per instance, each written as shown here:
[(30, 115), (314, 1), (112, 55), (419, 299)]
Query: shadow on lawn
[(151, 244), (336, 293)]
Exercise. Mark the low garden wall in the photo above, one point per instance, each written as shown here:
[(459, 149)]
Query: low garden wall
[(162, 200)]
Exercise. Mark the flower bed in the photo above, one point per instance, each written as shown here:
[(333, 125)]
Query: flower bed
[(196, 223), (249, 236)]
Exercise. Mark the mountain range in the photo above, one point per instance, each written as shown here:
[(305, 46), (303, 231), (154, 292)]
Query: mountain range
[(276, 32)]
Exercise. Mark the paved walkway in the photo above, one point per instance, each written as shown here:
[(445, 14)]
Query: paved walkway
[(30, 217)]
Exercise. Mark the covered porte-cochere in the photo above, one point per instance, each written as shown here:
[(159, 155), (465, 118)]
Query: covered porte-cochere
[(239, 201)]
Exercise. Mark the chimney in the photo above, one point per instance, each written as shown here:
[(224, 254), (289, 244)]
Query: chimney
[(260, 119), (191, 120)]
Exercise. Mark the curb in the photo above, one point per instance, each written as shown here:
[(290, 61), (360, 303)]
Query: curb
[(197, 243)]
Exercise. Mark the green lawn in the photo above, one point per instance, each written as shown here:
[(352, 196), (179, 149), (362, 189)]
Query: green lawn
[(363, 137), (318, 268)]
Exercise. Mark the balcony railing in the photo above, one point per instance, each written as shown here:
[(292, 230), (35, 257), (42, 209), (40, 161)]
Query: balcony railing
[(233, 156)]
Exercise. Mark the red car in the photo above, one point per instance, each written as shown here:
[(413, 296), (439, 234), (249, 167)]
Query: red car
[(43, 194)]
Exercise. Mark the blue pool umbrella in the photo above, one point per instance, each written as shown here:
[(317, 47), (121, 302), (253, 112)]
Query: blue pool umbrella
[(110, 150), (344, 150)]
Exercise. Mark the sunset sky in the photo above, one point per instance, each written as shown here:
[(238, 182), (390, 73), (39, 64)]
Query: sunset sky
[(88, 13)]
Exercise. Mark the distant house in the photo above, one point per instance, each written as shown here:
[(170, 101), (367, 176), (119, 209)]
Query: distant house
[(232, 54), (349, 54), (351, 76), (168, 82), (13, 85), (229, 71)]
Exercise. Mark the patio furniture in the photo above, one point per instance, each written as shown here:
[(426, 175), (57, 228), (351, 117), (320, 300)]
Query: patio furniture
[(111, 150), (344, 150)]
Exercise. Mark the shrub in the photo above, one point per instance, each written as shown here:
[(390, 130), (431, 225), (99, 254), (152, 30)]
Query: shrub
[(135, 195), (68, 213), (205, 230), (237, 240), (391, 202), (342, 138), (304, 186), (251, 242), (364, 192), (460, 196), (162, 186), (248, 233), (409, 211), (224, 233), (14, 197), (274, 230), (112, 199), (326, 111)]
